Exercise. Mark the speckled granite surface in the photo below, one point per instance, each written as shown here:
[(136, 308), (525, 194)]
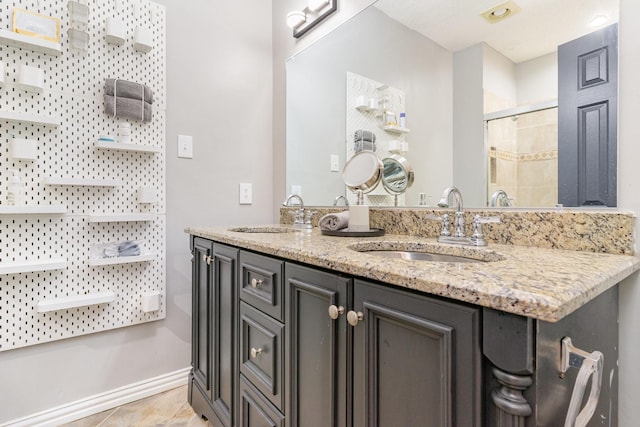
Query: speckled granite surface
[(604, 231), (547, 284)]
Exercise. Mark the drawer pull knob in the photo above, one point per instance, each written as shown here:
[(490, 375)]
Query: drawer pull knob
[(354, 317), (256, 283), (335, 311), (255, 352), (206, 259)]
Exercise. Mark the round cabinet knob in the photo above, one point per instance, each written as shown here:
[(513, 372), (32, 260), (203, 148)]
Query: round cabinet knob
[(256, 282), (206, 259), (255, 352), (354, 317), (335, 311)]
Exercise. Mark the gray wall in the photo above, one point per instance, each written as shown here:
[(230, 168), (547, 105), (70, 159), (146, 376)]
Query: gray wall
[(468, 125), (379, 48), (219, 89)]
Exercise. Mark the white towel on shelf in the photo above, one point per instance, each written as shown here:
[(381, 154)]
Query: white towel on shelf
[(334, 221)]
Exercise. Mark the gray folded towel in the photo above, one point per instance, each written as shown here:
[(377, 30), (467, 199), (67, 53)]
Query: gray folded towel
[(127, 89), (364, 135), (334, 221), (126, 108), (364, 145)]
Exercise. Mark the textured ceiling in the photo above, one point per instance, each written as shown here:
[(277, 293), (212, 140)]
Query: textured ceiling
[(536, 30)]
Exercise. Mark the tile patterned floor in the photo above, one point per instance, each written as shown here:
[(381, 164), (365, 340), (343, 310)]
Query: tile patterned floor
[(165, 409)]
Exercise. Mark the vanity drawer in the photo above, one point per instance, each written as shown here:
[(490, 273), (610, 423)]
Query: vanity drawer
[(255, 410), (261, 283), (261, 352)]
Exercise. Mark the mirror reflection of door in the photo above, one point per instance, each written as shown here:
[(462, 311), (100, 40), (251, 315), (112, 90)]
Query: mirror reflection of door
[(587, 136)]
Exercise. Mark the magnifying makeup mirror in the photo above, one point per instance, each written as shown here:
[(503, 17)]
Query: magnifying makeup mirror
[(397, 175), (362, 173)]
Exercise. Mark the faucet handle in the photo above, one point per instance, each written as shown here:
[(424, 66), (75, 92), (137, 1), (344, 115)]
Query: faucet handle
[(477, 237), (309, 216), (445, 223)]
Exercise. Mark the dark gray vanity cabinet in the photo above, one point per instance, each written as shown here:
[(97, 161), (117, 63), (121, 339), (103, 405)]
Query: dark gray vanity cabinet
[(416, 360), (318, 350), (213, 382)]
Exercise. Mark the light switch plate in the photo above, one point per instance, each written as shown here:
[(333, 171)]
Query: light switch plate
[(246, 193), (335, 163), (185, 146)]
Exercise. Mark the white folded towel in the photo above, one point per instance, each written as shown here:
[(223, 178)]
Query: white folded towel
[(334, 221)]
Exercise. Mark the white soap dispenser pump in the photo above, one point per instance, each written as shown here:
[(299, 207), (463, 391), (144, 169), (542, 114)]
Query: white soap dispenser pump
[(359, 215), (15, 188)]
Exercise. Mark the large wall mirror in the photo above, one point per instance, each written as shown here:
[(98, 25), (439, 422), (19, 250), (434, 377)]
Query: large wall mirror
[(470, 89)]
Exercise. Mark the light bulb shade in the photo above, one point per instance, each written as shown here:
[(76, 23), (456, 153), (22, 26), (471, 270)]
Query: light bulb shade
[(317, 5), (295, 19)]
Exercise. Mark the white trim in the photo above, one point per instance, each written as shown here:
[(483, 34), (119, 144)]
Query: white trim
[(101, 402)]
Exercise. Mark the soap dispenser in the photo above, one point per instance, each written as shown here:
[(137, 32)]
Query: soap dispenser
[(15, 188), (359, 214)]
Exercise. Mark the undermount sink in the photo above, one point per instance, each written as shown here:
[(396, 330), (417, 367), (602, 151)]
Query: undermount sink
[(430, 252), (422, 256), (263, 229)]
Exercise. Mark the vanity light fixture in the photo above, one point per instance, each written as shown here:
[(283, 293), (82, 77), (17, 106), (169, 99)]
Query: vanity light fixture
[(295, 19), (500, 12), (312, 15), (317, 5), (598, 20)]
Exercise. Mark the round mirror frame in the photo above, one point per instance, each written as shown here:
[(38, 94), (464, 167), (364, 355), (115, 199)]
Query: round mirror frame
[(401, 169)]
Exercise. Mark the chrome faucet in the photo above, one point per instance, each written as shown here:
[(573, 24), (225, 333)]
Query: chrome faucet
[(300, 219), (458, 221), (500, 199), (338, 198), (291, 197), (476, 239)]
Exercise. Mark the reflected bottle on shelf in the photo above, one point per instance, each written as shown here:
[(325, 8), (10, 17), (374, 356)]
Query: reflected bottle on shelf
[(15, 188)]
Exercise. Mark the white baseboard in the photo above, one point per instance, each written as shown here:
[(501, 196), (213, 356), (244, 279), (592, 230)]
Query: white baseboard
[(103, 401)]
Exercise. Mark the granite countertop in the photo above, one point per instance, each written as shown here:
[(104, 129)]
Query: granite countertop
[(546, 284)]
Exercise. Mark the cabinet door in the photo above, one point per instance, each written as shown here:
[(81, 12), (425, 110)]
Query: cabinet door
[(316, 350), (201, 316), (416, 360), (224, 376)]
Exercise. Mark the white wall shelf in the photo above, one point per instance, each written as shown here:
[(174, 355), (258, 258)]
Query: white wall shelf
[(35, 44), (33, 210), (105, 145), (87, 182), (13, 116), (30, 266), (121, 217), (121, 260), (75, 301), (396, 129)]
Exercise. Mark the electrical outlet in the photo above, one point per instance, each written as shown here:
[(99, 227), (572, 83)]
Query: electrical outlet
[(335, 163), (185, 146), (246, 194)]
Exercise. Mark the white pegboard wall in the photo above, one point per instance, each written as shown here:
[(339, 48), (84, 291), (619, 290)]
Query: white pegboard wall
[(357, 86), (73, 93)]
